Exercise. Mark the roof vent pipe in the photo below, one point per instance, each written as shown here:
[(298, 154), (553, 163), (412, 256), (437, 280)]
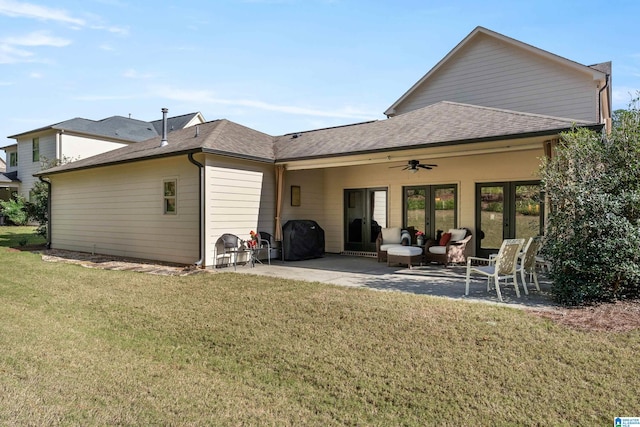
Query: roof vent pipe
[(164, 141), (197, 130)]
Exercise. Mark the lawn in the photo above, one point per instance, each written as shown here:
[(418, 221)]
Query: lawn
[(82, 346)]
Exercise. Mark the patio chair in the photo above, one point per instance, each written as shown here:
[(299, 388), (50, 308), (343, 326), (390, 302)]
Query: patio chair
[(227, 248), (503, 266), (390, 237), (527, 264), (264, 244), (450, 248)]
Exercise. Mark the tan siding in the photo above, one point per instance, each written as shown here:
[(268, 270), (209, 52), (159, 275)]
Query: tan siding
[(119, 210), (240, 198), (76, 147), (491, 73), (464, 171)]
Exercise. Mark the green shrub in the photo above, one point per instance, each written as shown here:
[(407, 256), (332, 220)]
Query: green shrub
[(593, 231), (13, 210)]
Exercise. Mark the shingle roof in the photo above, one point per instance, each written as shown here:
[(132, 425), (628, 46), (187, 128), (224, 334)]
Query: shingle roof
[(174, 123), (219, 137), (7, 177), (441, 123), (115, 127)]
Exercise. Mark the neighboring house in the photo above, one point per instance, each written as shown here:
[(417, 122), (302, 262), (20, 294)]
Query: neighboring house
[(76, 139), (172, 201)]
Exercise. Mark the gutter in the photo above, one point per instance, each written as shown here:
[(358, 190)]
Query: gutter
[(48, 183), (606, 86), (200, 261)]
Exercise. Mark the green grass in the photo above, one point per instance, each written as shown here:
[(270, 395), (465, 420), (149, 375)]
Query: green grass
[(19, 236), (90, 347)]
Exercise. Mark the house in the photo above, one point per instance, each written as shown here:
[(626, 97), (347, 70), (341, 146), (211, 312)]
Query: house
[(170, 197), (75, 139)]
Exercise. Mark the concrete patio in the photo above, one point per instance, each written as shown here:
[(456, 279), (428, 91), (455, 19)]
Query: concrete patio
[(434, 280)]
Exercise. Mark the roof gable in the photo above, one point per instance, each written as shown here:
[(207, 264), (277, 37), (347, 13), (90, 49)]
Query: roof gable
[(480, 33)]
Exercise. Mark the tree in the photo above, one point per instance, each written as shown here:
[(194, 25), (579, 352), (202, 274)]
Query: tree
[(593, 232)]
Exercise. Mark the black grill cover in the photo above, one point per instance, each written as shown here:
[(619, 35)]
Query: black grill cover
[(302, 239)]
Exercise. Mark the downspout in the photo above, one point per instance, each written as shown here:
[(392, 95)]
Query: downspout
[(48, 183), (200, 262), (606, 86)]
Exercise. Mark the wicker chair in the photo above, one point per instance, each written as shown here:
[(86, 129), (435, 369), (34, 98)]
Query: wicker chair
[(451, 253)]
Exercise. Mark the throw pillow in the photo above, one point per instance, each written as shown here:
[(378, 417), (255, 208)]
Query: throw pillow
[(445, 239)]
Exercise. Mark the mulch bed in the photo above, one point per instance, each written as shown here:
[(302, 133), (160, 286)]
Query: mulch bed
[(621, 316)]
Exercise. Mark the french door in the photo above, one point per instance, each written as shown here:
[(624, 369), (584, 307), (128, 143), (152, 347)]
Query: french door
[(430, 208), (507, 210), (365, 214)]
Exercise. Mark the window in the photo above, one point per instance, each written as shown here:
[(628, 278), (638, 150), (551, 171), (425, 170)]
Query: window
[(431, 208), (170, 199), (13, 159), (36, 149)]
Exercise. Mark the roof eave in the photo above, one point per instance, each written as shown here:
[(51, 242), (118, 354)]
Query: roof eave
[(550, 132)]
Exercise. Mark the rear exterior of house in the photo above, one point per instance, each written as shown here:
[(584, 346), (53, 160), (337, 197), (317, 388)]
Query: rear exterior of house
[(485, 115)]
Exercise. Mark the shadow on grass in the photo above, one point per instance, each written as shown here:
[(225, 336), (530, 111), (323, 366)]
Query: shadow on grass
[(22, 238)]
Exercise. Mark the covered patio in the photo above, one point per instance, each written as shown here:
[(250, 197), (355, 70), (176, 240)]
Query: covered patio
[(365, 272)]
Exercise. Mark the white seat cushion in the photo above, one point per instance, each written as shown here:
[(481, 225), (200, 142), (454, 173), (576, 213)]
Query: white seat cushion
[(438, 250), (391, 235), (385, 247), (404, 251), (457, 234)]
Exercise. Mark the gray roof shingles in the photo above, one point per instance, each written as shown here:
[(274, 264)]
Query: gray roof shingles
[(438, 124)]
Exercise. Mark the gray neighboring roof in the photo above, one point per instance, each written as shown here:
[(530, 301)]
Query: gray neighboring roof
[(438, 124), (217, 137), (174, 123), (7, 177), (115, 127)]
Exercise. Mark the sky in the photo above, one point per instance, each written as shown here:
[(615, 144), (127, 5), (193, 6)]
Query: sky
[(277, 66)]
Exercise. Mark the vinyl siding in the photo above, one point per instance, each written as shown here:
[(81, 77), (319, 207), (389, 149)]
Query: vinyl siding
[(240, 197), (8, 152), (118, 210), (26, 166), (76, 147), (492, 73)]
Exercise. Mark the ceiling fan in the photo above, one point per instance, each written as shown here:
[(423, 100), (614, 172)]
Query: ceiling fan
[(413, 166)]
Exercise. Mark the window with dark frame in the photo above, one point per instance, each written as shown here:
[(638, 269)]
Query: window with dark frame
[(36, 149), (429, 208), (13, 159), (170, 196)]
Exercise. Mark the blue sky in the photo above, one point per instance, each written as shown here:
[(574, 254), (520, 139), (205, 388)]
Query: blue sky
[(277, 66)]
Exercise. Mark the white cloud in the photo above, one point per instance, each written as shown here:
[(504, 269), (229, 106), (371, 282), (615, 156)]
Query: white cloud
[(622, 96), (39, 38), (133, 74), (36, 75), (28, 10), (207, 97), (12, 55)]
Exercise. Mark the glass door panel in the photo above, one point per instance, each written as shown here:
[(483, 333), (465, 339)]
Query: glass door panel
[(445, 208), (490, 219), (416, 199), (527, 211), (365, 214)]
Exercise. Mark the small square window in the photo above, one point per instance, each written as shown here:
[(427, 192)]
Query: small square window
[(170, 197), (36, 149)]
